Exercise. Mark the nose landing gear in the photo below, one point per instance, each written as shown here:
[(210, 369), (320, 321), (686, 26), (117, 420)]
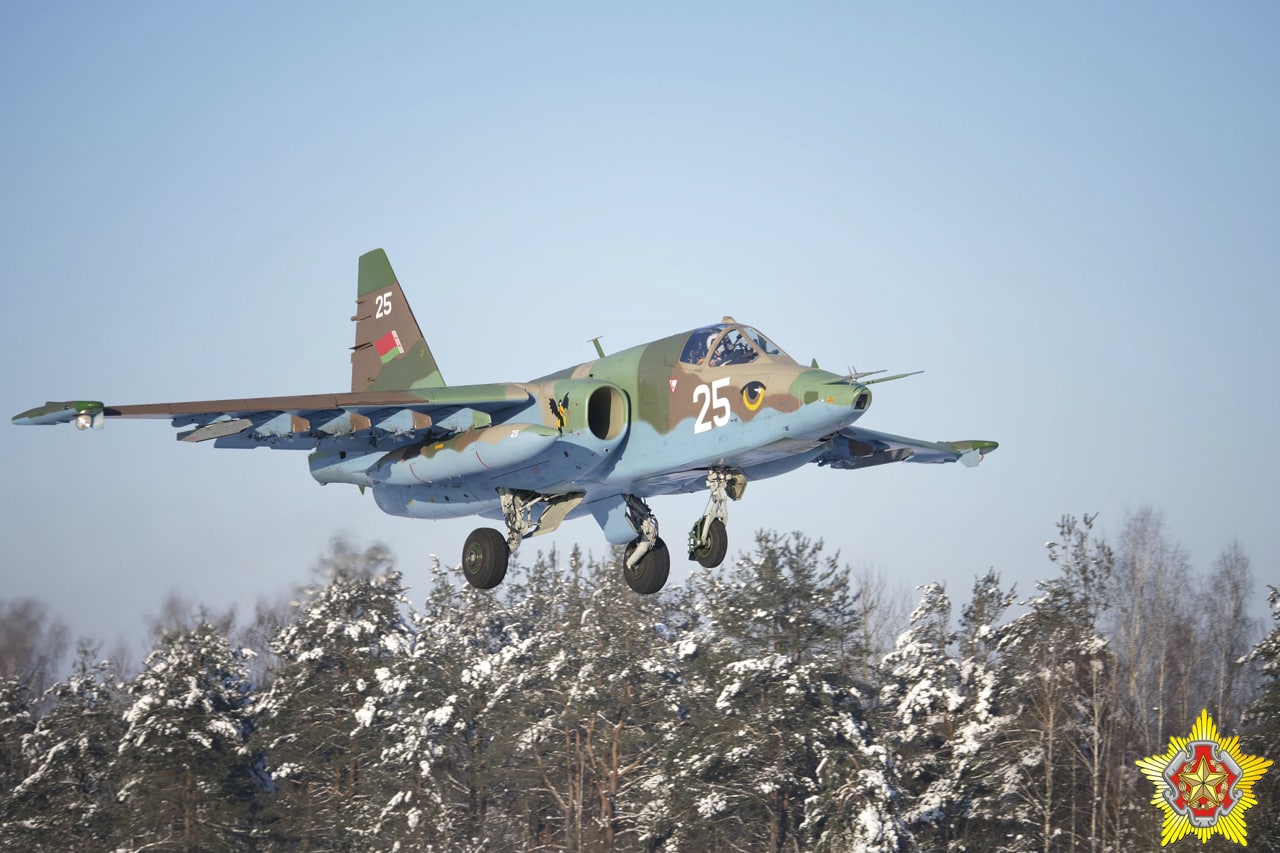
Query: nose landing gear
[(708, 542), (709, 538)]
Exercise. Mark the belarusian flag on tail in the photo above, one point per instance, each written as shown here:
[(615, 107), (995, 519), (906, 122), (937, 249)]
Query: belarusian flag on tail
[(381, 359), (388, 346)]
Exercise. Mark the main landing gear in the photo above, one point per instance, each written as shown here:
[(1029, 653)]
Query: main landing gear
[(486, 554), (647, 560)]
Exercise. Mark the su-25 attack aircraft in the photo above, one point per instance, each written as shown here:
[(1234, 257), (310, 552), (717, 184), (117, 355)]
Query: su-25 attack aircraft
[(713, 408)]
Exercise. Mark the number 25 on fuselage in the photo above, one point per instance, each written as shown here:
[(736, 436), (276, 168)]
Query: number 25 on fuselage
[(713, 408)]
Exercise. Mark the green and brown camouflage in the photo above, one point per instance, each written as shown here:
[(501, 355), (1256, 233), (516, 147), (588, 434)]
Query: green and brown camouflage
[(710, 409), (390, 351)]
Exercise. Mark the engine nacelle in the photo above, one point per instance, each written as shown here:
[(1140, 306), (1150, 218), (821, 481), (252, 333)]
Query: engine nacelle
[(590, 420), (594, 411), (486, 451)]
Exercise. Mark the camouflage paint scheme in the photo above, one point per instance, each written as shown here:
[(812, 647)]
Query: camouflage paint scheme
[(655, 419)]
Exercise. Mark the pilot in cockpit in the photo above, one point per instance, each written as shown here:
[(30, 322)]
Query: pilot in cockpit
[(734, 348)]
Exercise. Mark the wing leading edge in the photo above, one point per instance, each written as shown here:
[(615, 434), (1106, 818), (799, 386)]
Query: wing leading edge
[(303, 421)]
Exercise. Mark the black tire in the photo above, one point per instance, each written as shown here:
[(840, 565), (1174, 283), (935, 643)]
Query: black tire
[(650, 574), (712, 554), (485, 557)]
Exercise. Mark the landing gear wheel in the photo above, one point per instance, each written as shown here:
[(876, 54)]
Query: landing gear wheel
[(650, 574), (712, 553), (485, 557)]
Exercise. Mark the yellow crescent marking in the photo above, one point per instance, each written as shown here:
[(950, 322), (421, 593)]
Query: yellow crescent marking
[(746, 400)]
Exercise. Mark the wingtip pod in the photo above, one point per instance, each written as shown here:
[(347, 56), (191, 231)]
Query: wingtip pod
[(84, 413), (971, 452)]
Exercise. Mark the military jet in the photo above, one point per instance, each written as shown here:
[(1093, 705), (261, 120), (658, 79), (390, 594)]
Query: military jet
[(712, 408)]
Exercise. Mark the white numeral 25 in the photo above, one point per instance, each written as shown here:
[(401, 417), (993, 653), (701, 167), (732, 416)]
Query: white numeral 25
[(711, 400)]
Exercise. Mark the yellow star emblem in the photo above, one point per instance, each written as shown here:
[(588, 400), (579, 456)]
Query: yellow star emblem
[(1204, 784)]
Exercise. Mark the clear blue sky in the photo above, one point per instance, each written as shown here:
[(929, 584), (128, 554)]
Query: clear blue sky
[(1068, 215)]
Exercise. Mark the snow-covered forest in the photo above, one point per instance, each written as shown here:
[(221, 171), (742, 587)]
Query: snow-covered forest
[(772, 704)]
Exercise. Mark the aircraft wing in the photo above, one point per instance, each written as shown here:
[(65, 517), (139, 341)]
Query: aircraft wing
[(301, 422), (855, 447)]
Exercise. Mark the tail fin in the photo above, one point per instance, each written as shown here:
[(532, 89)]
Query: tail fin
[(390, 353)]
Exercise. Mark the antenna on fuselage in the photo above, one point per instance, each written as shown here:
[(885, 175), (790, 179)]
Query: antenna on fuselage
[(599, 349)]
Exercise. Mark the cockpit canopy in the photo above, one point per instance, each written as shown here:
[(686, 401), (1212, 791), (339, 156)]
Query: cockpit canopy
[(727, 343)]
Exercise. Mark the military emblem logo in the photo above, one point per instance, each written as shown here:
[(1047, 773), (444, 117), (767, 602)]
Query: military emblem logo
[(1204, 784)]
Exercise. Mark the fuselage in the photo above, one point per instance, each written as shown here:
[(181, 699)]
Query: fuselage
[(648, 420)]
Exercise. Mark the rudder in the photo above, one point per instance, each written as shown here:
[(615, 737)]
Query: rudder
[(390, 352)]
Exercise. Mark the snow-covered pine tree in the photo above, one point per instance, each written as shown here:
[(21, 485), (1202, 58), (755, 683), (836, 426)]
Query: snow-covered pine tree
[(1061, 673), (921, 700), (15, 724), (598, 706), (186, 776), (976, 822), (1262, 734), (451, 743), (776, 754), (67, 801), (322, 724)]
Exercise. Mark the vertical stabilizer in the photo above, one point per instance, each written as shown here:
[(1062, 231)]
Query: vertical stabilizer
[(390, 353)]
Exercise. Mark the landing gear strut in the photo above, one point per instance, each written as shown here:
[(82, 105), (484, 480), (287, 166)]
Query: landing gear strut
[(647, 562), (709, 540), (487, 553)]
